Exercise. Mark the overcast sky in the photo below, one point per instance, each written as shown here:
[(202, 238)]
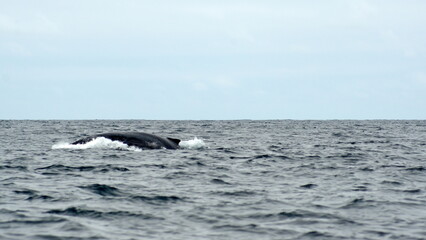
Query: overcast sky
[(230, 59)]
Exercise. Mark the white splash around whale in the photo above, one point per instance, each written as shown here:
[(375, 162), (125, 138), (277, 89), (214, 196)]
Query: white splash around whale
[(105, 143), (193, 144)]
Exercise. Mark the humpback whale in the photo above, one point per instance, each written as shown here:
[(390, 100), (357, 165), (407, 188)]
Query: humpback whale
[(137, 139)]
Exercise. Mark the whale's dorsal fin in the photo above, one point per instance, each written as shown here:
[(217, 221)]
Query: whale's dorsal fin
[(177, 141)]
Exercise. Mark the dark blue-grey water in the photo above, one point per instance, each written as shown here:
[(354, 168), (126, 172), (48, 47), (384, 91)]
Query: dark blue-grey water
[(248, 180)]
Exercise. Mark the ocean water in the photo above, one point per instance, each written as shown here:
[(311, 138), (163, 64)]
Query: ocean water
[(231, 180)]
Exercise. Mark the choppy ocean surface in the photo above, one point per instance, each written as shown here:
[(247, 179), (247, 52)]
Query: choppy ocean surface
[(231, 180)]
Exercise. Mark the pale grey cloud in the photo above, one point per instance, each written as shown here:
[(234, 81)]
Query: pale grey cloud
[(215, 59)]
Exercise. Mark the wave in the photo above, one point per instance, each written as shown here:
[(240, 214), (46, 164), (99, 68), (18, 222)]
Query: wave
[(56, 168), (105, 143), (157, 200), (102, 189), (97, 214)]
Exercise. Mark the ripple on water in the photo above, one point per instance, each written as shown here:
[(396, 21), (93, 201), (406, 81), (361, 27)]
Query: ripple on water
[(98, 214), (59, 169), (102, 189), (34, 195), (157, 199)]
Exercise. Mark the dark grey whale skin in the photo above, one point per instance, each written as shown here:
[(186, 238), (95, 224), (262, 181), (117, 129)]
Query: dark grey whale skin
[(137, 139)]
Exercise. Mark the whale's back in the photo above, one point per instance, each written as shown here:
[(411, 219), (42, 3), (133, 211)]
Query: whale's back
[(137, 139)]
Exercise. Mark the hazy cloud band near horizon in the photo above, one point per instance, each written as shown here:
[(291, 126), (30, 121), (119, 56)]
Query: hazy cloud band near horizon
[(341, 59)]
